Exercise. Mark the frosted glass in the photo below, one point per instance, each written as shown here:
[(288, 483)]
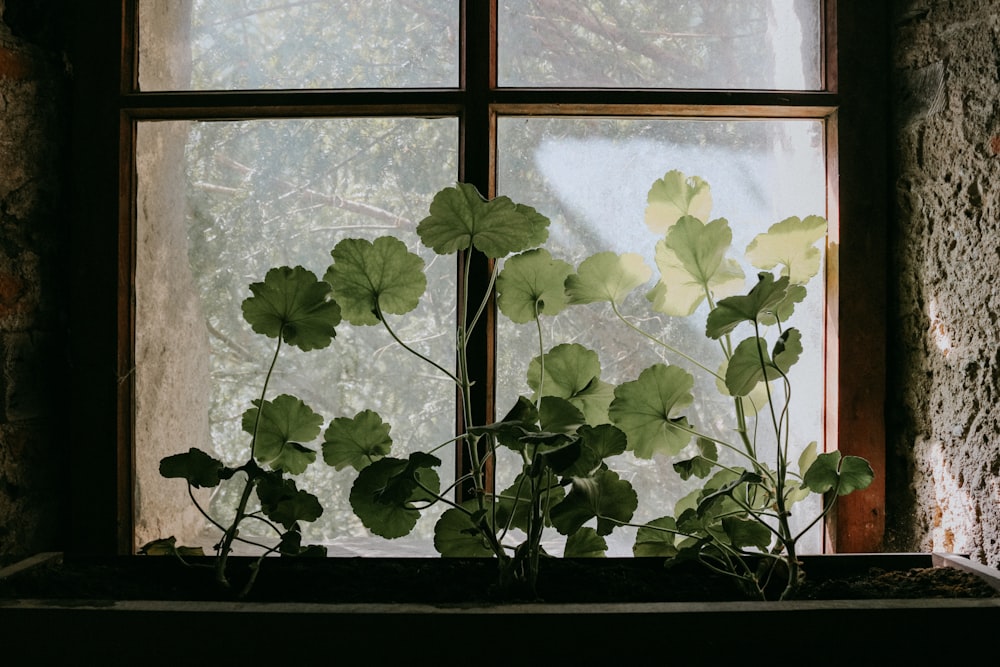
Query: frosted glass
[(269, 44), (220, 203), (754, 44)]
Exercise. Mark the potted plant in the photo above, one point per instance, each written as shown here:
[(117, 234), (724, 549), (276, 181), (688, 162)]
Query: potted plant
[(567, 432)]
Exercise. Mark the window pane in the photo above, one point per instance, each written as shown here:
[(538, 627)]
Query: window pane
[(262, 44), (763, 44), (219, 203), (591, 177)]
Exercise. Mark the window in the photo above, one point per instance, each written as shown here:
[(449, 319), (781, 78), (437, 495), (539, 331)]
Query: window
[(302, 121)]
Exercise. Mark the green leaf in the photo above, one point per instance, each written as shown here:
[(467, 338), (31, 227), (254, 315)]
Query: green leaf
[(282, 502), (716, 497), (608, 277), (674, 196), (692, 263), (515, 501), (460, 218), (855, 474), (749, 366), (291, 545), (604, 496), (753, 402), (384, 493), (383, 273), (167, 546), (532, 284), (285, 422), (356, 441), (194, 465), (647, 410), (745, 533), (573, 372), (585, 543), (604, 440), (787, 349), (557, 415), (458, 535), (699, 466), (829, 471), (517, 428), (784, 310), (293, 304), (656, 538), (762, 301), (790, 243), (582, 456)]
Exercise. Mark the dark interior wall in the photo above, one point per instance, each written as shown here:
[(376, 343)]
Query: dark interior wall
[(34, 109), (944, 371)]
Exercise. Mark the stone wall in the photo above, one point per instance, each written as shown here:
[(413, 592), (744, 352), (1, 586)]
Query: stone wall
[(33, 140), (944, 419)]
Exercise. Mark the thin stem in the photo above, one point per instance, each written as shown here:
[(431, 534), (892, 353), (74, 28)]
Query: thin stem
[(661, 343), (380, 315)]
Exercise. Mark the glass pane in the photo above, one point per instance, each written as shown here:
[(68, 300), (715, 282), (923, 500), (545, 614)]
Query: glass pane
[(592, 177), (753, 44), (220, 203), (267, 44)]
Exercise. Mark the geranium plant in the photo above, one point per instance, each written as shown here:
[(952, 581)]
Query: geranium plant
[(569, 427), (294, 308), (739, 521), (561, 439)]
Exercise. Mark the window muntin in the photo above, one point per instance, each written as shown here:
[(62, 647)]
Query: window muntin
[(478, 147), (752, 44)]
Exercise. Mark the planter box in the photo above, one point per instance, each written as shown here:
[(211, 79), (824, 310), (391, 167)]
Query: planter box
[(75, 630)]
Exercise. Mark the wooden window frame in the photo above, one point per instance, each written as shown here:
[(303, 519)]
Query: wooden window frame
[(108, 107)]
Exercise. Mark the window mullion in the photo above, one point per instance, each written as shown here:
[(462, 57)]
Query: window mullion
[(476, 160)]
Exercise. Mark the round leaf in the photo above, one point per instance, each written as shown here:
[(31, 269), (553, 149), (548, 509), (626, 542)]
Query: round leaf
[(460, 218), (194, 465), (656, 538), (604, 496), (370, 276), (383, 494), (607, 276), (573, 372), (585, 543), (531, 284), (456, 535), (790, 243), (647, 409), (293, 304), (284, 423), (356, 441), (676, 195)]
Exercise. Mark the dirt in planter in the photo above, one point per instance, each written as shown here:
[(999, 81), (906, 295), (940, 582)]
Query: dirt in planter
[(455, 581)]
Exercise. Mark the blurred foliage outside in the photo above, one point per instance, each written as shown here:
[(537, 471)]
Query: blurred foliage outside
[(263, 193)]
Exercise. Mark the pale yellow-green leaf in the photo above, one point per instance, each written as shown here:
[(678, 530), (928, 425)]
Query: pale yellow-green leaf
[(790, 243), (676, 195), (607, 276), (680, 293)]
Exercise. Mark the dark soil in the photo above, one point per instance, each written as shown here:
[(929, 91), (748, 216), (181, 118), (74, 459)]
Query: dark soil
[(443, 581)]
